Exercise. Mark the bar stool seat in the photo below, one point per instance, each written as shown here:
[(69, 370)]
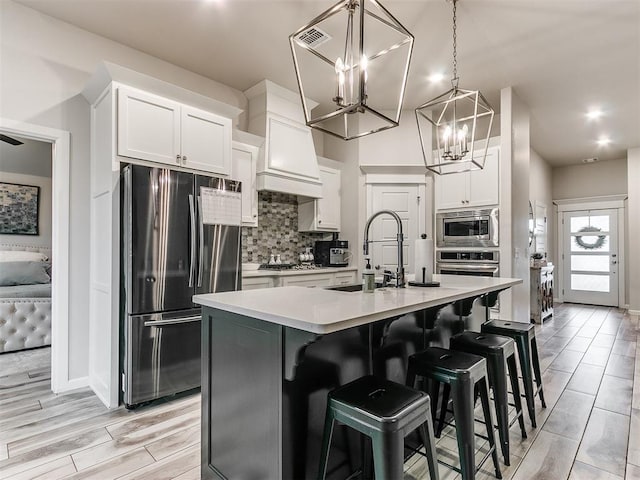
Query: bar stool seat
[(524, 335), (465, 374), (498, 352), (386, 412)]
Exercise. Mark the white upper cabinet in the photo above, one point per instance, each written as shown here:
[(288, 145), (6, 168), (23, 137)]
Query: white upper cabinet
[(157, 129), (471, 189), (148, 127), (243, 168), (206, 141), (322, 214)]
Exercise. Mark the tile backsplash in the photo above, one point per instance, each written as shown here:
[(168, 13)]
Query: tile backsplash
[(277, 231)]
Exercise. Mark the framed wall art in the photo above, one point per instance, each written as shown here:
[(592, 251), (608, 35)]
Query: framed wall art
[(19, 209)]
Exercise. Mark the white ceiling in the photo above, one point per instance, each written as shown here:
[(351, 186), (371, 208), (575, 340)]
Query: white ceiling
[(561, 56)]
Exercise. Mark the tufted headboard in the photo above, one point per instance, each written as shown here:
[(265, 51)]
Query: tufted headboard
[(27, 248)]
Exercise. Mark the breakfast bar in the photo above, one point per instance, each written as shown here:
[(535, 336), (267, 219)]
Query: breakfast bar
[(270, 356)]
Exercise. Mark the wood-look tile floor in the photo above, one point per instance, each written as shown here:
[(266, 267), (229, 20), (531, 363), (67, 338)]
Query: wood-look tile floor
[(589, 430)]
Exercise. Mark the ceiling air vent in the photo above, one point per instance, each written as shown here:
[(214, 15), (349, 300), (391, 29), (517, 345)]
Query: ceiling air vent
[(313, 37), (590, 160)]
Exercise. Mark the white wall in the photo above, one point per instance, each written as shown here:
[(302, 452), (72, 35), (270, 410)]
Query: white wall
[(540, 190), (43, 239), (31, 158), (45, 65), (595, 180), (29, 164), (353, 208), (515, 153), (395, 151), (397, 146), (633, 212), (590, 179)]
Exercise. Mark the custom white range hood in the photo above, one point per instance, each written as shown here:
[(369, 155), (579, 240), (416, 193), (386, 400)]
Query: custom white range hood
[(287, 161)]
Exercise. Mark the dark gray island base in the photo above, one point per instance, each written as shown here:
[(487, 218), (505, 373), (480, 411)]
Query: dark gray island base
[(265, 383)]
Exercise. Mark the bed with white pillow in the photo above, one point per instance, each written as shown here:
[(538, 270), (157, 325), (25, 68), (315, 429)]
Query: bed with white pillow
[(25, 297)]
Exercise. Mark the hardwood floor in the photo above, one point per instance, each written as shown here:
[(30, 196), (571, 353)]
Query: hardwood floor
[(589, 430)]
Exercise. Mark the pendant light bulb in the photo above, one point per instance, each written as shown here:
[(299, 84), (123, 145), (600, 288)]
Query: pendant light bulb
[(446, 139), (339, 68)]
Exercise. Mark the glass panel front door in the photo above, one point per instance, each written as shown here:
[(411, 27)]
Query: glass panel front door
[(590, 257)]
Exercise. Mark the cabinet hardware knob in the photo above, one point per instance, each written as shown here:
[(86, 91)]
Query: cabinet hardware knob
[(255, 215), (319, 221), (184, 158), (178, 158)]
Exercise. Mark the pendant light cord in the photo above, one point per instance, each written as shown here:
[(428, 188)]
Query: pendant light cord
[(454, 80)]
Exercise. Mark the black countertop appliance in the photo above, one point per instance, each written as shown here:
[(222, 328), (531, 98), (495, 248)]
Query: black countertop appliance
[(332, 253)]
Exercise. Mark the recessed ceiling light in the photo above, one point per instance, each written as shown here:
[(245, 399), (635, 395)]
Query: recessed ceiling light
[(436, 77), (594, 114), (604, 141)]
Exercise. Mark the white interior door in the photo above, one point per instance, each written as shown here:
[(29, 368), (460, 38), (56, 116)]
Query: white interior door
[(590, 253), (404, 200)]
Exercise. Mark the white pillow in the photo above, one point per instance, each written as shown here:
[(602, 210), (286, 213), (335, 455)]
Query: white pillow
[(21, 256)]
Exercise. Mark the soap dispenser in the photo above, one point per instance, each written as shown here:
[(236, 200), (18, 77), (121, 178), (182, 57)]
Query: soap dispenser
[(368, 279)]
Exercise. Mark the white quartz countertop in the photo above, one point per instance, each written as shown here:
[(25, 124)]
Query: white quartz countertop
[(324, 311), (281, 273)]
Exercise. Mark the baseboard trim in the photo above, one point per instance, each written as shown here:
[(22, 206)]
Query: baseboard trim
[(73, 384), (634, 313)]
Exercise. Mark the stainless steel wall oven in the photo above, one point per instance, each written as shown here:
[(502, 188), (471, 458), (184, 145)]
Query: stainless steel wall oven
[(485, 263)]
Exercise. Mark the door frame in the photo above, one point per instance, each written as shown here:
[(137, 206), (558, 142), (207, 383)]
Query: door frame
[(608, 202), (60, 140)]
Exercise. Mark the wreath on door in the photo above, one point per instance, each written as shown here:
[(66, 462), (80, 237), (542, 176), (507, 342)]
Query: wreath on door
[(596, 244)]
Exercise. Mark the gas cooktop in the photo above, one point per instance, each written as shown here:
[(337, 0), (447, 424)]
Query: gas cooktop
[(289, 266)]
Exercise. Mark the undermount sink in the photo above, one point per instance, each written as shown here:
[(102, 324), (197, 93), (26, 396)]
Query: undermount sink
[(351, 288)]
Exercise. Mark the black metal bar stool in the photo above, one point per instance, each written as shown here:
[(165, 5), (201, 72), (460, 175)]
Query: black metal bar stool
[(498, 352), (385, 412), (466, 374), (524, 335)]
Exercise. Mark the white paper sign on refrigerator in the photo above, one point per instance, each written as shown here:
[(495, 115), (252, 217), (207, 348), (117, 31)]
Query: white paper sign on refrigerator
[(219, 207)]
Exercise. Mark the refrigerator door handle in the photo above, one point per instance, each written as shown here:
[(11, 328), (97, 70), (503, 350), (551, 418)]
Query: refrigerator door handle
[(174, 321), (192, 218), (201, 249)]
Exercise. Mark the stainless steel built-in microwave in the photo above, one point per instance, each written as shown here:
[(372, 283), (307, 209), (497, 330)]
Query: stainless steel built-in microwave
[(468, 228)]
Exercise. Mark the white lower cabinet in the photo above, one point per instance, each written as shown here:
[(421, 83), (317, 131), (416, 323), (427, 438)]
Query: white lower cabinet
[(345, 278), (318, 279), (313, 280), (254, 283)]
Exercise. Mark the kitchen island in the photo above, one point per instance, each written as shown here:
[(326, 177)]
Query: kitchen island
[(270, 356)]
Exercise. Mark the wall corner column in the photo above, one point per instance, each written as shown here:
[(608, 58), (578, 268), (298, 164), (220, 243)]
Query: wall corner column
[(633, 180)]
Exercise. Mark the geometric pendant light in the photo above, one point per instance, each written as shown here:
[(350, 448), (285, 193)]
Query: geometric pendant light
[(354, 60), (452, 125)]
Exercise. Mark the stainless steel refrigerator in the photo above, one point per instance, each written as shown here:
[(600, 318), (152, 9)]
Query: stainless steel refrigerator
[(180, 237)]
